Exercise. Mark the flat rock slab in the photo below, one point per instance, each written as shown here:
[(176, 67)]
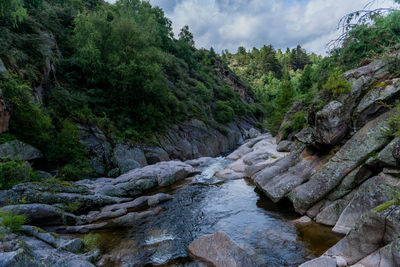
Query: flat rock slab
[(220, 251)]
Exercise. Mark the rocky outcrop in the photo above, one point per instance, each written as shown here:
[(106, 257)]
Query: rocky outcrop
[(185, 141), (219, 250), (17, 150), (4, 113), (34, 247)]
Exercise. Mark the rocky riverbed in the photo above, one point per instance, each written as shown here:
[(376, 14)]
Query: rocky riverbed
[(187, 200)]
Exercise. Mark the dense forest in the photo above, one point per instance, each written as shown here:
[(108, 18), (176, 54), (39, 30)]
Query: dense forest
[(118, 67)]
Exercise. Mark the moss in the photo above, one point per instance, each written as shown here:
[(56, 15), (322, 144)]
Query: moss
[(91, 242), (72, 206), (386, 205), (55, 235), (38, 229), (274, 157)]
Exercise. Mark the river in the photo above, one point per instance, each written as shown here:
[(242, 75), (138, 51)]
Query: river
[(205, 204)]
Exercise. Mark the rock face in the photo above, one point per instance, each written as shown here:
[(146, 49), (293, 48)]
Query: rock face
[(40, 249), (330, 124), (18, 150), (185, 141), (4, 114), (220, 251)]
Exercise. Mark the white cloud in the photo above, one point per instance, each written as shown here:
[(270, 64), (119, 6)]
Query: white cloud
[(227, 24)]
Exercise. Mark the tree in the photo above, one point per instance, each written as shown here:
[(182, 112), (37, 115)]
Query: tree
[(186, 35), (298, 58), (306, 82), (12, 10)]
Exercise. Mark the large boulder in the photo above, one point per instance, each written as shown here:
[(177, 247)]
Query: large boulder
[(375, 230), (375, 191), (331, 124), (142, 180), (371, 106), (42, 214), (99, 147), (18, 150), (128, 157), (220, 251), (367, 140)]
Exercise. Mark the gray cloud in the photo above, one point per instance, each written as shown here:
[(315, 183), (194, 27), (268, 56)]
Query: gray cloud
[(227, 24)]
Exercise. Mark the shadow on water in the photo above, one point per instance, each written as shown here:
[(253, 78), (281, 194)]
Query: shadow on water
[(204, 205)]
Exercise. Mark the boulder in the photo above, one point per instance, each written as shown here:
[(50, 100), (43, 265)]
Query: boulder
[(396, 151), (284, 146), (229, 174), (128, 157), (155, 154), (219, 250), (42, 214), (18, 150), (331, 124), (372, 69), (371, 106), (371, 194), (142, 180), (99, 147), (253, 133), (369, 139), (302, 221), (320, 262), (134, 218), (385, 156), (375, 230), (200, 162), (305, 136), (387, 256)]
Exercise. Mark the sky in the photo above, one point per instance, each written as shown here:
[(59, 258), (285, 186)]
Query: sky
[(228, 24)]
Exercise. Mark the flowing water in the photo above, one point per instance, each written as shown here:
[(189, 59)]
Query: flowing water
[(205, 204)]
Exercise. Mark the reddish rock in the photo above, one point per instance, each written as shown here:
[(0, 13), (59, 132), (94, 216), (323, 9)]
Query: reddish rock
[(220, 251)]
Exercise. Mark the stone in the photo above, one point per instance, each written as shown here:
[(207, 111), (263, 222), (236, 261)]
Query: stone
[(134, 218), (320, 262), (17, 150), (396, 151), (200, 162), (253, 133), (18, 258), (330, 124), (229, 174), (386, 256), (370, 69), (302, 221), (42, 214), (128, 157), (74, 245), (155, 154), (330, 214), (371, 194), (142, 180), (385, 156), (374, 230), (220, 251), (371, 106), (366, 141), (284, 146)]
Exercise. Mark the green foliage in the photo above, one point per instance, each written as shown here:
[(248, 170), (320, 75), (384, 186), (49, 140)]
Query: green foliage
[(13, 11), (298, 120), (12, 222), (29, 122), (394, 122), (13, 172), (72, 206), (223, 112), (91, 242), (335, 84)]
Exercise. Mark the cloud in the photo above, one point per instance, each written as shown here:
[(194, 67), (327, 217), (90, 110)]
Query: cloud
[(227, 24)]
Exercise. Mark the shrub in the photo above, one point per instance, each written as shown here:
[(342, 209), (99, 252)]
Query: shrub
[(11, 221), (223, 112), (335, 85), (91, 241), (298, 119), (15, 172)]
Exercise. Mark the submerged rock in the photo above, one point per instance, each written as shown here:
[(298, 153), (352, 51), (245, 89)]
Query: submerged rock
[(220, 251)]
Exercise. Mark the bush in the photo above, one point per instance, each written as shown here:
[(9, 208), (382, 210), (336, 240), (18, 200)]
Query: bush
[(11, 221), (335, 85), (91, 241), (298, 119), (223, 112), (29, 123), (15, 172)]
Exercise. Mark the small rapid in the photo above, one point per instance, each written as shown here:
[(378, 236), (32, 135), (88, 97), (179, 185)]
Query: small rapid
[(206, 204)]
